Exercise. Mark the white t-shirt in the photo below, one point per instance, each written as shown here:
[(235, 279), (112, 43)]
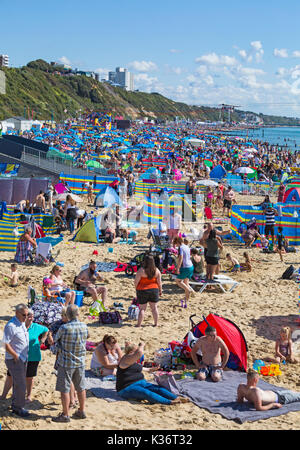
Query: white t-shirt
[(184, 250)]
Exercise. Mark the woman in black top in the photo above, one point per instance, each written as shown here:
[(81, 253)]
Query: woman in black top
[(131, 384)]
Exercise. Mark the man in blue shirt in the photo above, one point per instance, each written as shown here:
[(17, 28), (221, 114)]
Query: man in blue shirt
[(16, 342), (71, 343)]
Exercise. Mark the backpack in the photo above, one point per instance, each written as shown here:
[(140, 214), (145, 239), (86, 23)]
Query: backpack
[(109, 317), (287, 274)]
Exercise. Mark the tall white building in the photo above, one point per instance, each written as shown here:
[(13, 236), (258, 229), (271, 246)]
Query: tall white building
[(122, 77), (4, 61)]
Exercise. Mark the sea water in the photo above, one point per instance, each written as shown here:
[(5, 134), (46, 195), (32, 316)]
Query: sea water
[(286, 137)]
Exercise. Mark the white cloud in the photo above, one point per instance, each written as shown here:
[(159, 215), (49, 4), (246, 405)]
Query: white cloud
[(172, 69), (296, 53), (175, 50), (143, 66), (212, 59), (65, 60), (281, 53), (243, 54), (257, 45), (103, 72), (147, 83), (282, 72)]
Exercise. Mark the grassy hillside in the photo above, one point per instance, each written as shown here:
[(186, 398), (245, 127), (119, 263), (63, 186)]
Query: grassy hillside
[(37, 88)]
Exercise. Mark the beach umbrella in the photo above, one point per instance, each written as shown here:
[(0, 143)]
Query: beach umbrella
[(93, 163), (207, 183), (62, 197), (104, 156), (244, 170)]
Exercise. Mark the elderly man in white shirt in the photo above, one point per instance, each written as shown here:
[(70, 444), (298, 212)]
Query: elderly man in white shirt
[(16, 341)]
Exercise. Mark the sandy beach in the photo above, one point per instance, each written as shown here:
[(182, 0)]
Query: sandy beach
[(260, 305)]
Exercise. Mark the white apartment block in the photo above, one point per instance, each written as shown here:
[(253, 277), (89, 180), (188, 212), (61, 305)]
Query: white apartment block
[(4, 61), (122, 77)]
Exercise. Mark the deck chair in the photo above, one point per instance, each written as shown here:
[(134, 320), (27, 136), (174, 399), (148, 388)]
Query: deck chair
[(219, 280)]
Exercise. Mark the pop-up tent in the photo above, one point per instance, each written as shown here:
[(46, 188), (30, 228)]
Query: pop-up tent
[(231, 335), (89, 232)]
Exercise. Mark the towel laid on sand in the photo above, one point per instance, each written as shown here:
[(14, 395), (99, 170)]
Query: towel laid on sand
[(102, 266), (220, 398), (101, 388)]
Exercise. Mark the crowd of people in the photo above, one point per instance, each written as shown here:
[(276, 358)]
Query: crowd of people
[(67, 337)]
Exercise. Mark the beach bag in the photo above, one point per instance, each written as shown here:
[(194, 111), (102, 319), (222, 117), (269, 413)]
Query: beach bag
[(133, 312), (167, 381), (163, 357), (288, 273), (96, 308), (106, 318)]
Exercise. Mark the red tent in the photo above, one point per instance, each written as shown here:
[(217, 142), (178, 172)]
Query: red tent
[(231, 335)]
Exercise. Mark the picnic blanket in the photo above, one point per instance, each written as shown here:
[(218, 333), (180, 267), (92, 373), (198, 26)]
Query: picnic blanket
[(101, 388), (220, 398)]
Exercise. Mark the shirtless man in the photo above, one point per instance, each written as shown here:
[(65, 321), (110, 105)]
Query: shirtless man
[(212, 364), (87, 279), (264, 400), (40, 201)]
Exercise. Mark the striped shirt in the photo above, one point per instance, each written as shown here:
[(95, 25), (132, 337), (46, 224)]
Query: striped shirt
[(71, 342), (270, 216)]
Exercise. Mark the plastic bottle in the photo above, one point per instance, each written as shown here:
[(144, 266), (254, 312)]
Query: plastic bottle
[(174, 359)]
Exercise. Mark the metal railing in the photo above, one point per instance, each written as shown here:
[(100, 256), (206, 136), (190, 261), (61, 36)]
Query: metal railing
[(56, 165)]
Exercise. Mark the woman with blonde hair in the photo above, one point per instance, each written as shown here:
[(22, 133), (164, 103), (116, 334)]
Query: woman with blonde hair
[(131, 384), (59, 287)]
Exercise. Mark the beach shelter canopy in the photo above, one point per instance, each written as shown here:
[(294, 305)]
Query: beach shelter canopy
[(107, 197), (89, 232), (218, 172), (292, 195), (231, 335)]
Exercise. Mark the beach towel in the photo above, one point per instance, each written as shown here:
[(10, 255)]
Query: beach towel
[(220, 398), (102, 267), (101, 388)]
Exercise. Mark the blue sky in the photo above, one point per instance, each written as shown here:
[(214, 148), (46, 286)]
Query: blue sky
[(194, 51)]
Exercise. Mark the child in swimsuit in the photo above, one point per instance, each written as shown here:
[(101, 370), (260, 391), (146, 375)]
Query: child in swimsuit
[(235, 264), (283, 348), (14, 276)]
